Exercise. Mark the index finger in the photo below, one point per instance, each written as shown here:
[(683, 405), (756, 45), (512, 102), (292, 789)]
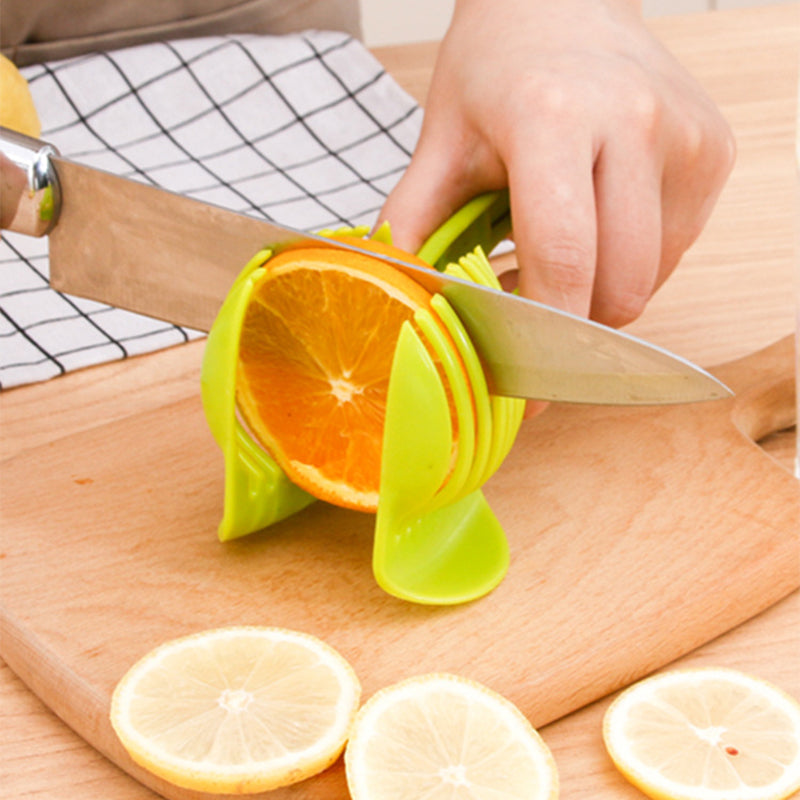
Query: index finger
[(555, 226)]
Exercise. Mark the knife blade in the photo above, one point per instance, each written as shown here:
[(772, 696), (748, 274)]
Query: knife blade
[(148, 250)]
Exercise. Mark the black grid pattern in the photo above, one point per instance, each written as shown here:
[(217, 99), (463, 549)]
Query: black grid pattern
[(306, 130)]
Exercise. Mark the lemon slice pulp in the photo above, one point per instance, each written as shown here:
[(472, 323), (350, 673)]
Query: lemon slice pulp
[(441, 736), (237, 710), (706, 734)]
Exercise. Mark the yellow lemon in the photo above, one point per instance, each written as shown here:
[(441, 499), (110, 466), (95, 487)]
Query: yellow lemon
[(17, 110)]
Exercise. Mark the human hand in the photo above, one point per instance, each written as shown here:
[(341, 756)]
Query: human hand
[(613, 154)]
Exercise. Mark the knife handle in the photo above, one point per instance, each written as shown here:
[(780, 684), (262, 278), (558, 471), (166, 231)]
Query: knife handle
[(39, 202)]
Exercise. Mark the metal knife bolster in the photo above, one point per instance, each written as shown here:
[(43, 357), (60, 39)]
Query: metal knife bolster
[(39, 206)]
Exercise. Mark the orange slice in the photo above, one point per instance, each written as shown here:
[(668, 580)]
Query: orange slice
[(315, 354)]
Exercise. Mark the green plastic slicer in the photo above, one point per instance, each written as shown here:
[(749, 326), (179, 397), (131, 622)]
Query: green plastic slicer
[(436, 539)]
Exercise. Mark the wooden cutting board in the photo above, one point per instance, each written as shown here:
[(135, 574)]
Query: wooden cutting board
[(636, 536)]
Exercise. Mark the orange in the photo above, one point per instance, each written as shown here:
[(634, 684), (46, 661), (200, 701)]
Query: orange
[(315, 355), (381, 248)]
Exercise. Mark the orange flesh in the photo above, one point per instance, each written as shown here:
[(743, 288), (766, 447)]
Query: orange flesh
[(316, 350)]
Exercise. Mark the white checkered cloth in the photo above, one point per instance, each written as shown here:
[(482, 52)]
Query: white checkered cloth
[(305, 130)]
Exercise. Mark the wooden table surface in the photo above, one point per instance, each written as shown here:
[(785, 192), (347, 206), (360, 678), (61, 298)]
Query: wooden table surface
[(731, 295)]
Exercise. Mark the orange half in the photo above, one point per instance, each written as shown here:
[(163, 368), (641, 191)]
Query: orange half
[(316, 350)]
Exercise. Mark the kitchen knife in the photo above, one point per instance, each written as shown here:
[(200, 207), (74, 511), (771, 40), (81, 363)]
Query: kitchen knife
[(142, 248)]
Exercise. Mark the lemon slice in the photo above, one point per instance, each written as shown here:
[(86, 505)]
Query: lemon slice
[(442, 736), (237, 710), (706, 734)]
